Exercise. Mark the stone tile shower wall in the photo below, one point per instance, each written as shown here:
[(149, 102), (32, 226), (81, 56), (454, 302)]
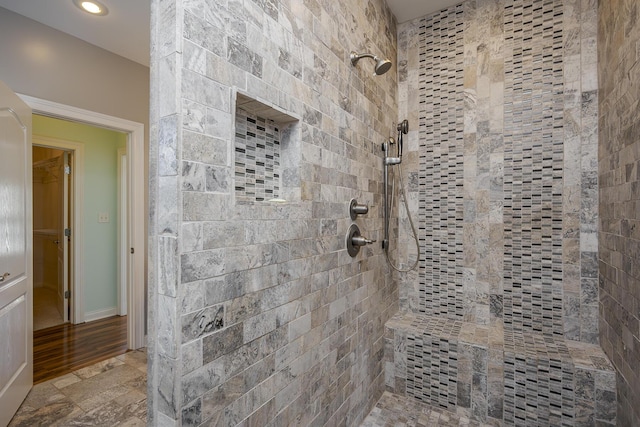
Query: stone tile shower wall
[(619, 177), (504, 154), (500, 322), (257, 315)]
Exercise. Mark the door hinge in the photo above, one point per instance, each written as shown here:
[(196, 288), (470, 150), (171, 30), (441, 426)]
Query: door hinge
[(132, 251), (67, 232), (67, 294), (67, 169)]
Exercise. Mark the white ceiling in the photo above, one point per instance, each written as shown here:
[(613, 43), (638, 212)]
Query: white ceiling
[(125, 30), (405, 10)]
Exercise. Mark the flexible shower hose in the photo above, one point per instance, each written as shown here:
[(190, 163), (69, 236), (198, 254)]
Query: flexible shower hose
[(413, 228)]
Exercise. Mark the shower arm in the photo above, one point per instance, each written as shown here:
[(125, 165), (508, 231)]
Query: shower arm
[(355, 57), (382, 65)]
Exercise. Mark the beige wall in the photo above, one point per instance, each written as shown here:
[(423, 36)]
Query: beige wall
[(45, 63), (40, 61)]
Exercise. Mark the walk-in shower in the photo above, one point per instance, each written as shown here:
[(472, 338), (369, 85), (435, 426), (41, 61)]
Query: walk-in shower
[(389, 160)]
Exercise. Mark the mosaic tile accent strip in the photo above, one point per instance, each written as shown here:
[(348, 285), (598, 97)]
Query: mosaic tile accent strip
[(440, 362), (257, 158), (432, 362), (441, 165), (533, 164), (539, 384)]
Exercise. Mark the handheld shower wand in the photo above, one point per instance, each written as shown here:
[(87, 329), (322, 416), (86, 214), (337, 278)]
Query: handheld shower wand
[(403, 129)]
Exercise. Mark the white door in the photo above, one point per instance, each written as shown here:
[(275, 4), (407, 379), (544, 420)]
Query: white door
[(63, 240), (16, 321)]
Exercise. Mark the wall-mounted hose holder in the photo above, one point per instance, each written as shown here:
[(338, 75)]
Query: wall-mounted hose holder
[(356, 209), (355, 240)]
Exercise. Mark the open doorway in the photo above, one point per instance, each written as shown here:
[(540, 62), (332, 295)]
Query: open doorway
[(78, 178), (94, 233), (132, 240), (80, 184), (51, 206)]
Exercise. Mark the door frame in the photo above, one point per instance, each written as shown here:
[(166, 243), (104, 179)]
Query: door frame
[(122, 216), (136, 224), (67, 217)]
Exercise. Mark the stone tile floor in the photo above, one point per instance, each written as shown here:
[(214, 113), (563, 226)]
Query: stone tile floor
[(113, 392), (398, 411), (109, 393)]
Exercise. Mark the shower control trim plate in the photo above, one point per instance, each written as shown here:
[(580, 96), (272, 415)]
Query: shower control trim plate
[(355, 240)]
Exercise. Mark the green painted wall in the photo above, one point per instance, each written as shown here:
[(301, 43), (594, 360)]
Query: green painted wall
[(100, 195)]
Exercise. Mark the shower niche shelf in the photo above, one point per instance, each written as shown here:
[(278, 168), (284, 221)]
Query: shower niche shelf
[(266, 153)]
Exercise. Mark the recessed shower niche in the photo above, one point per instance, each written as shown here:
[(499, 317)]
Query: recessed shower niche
[(266, 153)]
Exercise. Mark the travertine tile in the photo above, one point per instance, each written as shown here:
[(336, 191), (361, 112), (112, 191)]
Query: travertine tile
[(65, 380), (394, 410), (618, 41), (45, 394), (104, 381), (106, 393), (98, 368)]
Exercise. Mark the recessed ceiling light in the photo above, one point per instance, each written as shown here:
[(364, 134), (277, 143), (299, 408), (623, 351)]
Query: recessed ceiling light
[(92, 6)]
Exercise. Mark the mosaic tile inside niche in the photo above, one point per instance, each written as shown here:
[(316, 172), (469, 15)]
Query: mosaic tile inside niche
[(257, 158), (441, 163)]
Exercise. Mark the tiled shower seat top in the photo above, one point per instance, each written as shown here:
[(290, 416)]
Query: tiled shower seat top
[(583, 355), (399, 411)]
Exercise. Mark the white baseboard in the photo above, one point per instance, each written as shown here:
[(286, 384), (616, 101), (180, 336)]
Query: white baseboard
[(100, 314)]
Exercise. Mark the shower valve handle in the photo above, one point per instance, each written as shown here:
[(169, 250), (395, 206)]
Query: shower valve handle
[(361, 241), (355, 240)]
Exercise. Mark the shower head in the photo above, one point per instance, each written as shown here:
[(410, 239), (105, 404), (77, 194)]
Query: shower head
[(382, 65)]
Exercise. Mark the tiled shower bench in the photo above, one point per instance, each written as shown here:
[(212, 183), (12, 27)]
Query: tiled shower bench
[(499, 375)]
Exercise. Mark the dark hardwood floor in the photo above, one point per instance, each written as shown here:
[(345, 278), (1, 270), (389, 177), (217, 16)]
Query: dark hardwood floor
[(64, 348)]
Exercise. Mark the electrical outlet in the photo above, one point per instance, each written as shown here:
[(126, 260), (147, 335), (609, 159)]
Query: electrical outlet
[(103, 217)]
